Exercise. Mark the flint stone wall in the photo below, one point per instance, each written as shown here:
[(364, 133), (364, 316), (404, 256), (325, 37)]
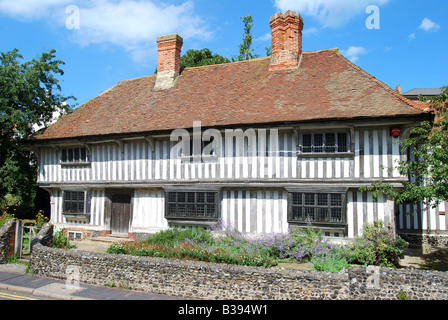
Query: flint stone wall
[(198, 280)]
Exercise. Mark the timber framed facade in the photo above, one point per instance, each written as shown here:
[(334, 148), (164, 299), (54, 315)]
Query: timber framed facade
[(277, 147), (255, 192)]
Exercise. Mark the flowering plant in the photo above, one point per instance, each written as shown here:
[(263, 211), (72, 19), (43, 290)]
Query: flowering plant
[(5, 216)]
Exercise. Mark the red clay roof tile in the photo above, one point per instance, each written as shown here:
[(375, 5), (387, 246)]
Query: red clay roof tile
[(325, 86)]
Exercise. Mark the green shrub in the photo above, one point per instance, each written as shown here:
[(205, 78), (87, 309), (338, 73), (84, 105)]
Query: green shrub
[(196, 244), (172, 237), (117, 248), (60, 241), (378, 246), (332, 263)]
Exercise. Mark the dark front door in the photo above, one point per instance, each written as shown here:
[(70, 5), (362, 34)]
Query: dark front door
[(120, 214)]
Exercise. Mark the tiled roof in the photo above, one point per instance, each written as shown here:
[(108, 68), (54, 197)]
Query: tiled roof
[(326, 86), (423, 92)]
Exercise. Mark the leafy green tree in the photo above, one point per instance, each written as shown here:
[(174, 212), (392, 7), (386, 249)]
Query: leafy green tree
[(428, 169), (246, 50), (28, 95), (203, 57), (268, 50)]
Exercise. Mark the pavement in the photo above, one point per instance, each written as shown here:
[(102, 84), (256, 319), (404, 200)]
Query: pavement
[(24, 283), (13, 277)]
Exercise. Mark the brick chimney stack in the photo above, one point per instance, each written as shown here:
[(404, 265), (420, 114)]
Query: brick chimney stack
[(168, 64), (286, 29)]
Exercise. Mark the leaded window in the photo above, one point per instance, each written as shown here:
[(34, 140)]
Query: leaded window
[(320, 208), (74, 202), (192, 205), (320, 143), (74, 156)]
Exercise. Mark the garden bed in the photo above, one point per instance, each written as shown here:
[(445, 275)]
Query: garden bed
[(377, 247)]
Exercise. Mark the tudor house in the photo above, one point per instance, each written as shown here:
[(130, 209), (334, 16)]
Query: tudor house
[(259, 145)]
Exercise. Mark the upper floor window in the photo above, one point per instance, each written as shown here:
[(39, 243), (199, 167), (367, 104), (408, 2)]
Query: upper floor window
[(324, 143), (74, 156)]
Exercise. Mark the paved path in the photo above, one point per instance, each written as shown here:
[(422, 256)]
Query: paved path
[(57, 289), (13, 277)]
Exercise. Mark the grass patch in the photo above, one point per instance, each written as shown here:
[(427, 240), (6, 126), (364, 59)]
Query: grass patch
[(13, 260)]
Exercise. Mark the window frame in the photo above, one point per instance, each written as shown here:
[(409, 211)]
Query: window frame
[(85, 213), (192, 219), (67, 160), (326, 223), (313, 133)]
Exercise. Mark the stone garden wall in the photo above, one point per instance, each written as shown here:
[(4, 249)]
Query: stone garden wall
[(197, 280)]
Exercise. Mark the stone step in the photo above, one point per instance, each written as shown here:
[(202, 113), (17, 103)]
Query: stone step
[(112, 238)]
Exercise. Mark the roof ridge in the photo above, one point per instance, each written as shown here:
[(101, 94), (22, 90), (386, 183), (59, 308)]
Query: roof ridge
[(380, 83), (254, 60), (134, 79), (322, 50), (228, 63)]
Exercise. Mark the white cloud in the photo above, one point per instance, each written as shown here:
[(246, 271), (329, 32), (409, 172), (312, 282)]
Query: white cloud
[(31, 9), (412, 36), (265, 37), (330, 13), (131, 24), (429, 25), (310, 31), (353, 53)]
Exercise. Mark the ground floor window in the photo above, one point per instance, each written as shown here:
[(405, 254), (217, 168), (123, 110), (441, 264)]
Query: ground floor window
[(317, 208), (192, 205), (74, 202)]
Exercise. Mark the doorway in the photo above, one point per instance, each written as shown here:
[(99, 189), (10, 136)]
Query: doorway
[(120, 219)]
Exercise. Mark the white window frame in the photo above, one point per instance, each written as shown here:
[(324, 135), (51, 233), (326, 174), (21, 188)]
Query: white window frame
[(66, 159), (313, 133)]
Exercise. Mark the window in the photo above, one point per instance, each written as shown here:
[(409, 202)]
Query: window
[(74, 202), (192, 205), (318, 208), (324, 143), (75, 235), (74, 156)]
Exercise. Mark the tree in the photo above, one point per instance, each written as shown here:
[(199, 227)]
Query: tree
[(246, 51), (197, 58), (268, 51), (203, 57), (428, 168), (28, 95)]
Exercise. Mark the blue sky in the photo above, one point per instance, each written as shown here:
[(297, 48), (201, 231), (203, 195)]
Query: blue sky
[(105, 41)]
